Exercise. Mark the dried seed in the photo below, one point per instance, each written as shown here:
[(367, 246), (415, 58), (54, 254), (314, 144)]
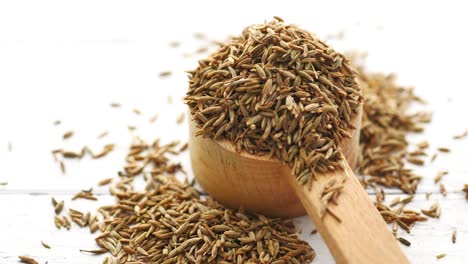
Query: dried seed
[(415, 161), (404, 241), (462, 135), (441, 256), (44, 244), (443, 149), (105, 181), (164, 74), (103, 134), (27, 260), (68, 134)]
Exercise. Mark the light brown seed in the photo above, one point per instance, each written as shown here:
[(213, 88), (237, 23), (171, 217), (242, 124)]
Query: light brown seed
[(27, 260), (44, 244), (68, 134)]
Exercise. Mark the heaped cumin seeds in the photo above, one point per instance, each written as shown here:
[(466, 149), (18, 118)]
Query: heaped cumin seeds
[(279, 91), (168, 221)]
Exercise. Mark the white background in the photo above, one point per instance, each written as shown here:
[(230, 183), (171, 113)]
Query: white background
[(68, 60)]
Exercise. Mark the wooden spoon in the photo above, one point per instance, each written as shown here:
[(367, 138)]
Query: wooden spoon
[(267, 186)]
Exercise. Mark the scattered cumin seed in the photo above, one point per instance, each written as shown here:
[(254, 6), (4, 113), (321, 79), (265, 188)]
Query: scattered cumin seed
[(27, 260), (115, 105), (57, 122), (423, 145), (439, 175), (106, 149), (313, 232), (443, 149), (85, 194), (441, 256), (3, 183), (58, 206), (68, 134), (443, 191), (433, 158), (103, 134), (44, 244), (95, 251), (404, 241), (454, 236), (10, 147), (462, 135), (164, 74), (433, 211), (62, 167), (105, 181), (415, 161)]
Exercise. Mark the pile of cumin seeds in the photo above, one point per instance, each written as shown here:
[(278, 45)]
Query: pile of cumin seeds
[(386, 123), (168, 222), (172, 224), (383, 145), (279, 91)]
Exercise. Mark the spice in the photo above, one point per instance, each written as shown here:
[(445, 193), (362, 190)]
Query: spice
[(58, 206), (103, 134), (443, 149), (105, 181), (277, 91), (465, 189), (454, 236), (68, 134), (85, 194), (385, 125), (433, 211), (462, 135), (443, 191), (441, 256), (115, 105), (44, 244), (404, 241), (169, 221), (415, 161), (165, 74), (439, 175), (27, 260)]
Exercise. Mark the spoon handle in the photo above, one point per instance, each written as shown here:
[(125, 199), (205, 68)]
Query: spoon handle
[(361, 235)]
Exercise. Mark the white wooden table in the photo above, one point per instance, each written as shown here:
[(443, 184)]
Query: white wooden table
[(69, 60)]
